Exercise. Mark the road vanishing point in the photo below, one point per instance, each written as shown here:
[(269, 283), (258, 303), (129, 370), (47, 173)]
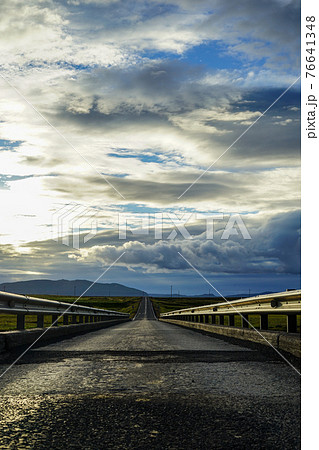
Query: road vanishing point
[(146, 384)]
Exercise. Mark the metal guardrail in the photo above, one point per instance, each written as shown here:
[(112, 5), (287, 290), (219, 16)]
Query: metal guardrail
[(286, 303), (22, 305)]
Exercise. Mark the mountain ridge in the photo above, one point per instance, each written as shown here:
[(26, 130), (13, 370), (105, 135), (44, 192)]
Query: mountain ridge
[(70, 288)]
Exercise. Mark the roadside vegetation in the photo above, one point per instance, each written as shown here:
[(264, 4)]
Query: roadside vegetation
[(163, 305)]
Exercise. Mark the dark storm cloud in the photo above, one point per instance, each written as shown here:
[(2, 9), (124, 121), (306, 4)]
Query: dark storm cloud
[(274, 248)]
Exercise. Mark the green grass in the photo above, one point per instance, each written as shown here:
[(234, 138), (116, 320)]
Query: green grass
[(122, 304), (163, 305), (9, 321)]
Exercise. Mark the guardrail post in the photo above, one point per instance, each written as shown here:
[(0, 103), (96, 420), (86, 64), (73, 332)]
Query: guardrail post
[(263, 321), (21, 321), (221, 320), (231, 320), (55, 320), (80, 319), (65, 319), (40, 321), (213, 319), (292, 323), (74, 319), (87, 319), (244, 323)]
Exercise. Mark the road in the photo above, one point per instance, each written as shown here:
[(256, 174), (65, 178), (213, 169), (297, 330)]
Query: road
[(145, 311), (146, 384)]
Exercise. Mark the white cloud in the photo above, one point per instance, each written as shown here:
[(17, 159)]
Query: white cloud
[(93, 69)]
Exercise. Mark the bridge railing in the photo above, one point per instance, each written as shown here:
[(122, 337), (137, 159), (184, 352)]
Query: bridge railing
[(286, 303), (22, 306)]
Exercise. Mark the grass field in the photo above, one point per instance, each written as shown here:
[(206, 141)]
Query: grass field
[(163, 305), (123, 304)]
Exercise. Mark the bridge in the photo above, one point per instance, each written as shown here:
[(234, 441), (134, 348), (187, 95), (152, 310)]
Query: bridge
[(148, 384)]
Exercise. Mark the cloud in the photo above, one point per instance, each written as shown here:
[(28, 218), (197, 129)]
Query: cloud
[(274, 248), (94, 32), (120, 78)]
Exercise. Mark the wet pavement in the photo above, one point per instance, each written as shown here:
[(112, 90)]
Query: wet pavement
[(146, 384)]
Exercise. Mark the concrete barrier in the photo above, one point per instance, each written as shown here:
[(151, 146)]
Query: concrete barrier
[(286, 342), (10, 340), (290, 343)]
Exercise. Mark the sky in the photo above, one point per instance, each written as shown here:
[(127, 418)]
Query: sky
[(130, 112)]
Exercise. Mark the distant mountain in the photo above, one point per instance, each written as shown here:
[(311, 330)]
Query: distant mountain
[(69, 287), (252, 294)]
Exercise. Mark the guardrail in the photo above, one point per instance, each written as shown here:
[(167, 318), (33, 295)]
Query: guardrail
[(286, 303), (21, 306)]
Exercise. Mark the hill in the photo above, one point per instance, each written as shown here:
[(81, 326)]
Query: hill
[(70, 287)]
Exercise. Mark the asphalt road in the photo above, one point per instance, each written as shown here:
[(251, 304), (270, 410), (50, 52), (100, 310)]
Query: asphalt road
[(145, 384), (145, 310)]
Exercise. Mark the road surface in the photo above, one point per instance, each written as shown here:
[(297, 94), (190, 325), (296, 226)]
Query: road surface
[(146, 384)]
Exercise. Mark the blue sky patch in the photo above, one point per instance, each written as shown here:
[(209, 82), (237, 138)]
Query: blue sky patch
[(6, 145), (142, 157)]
